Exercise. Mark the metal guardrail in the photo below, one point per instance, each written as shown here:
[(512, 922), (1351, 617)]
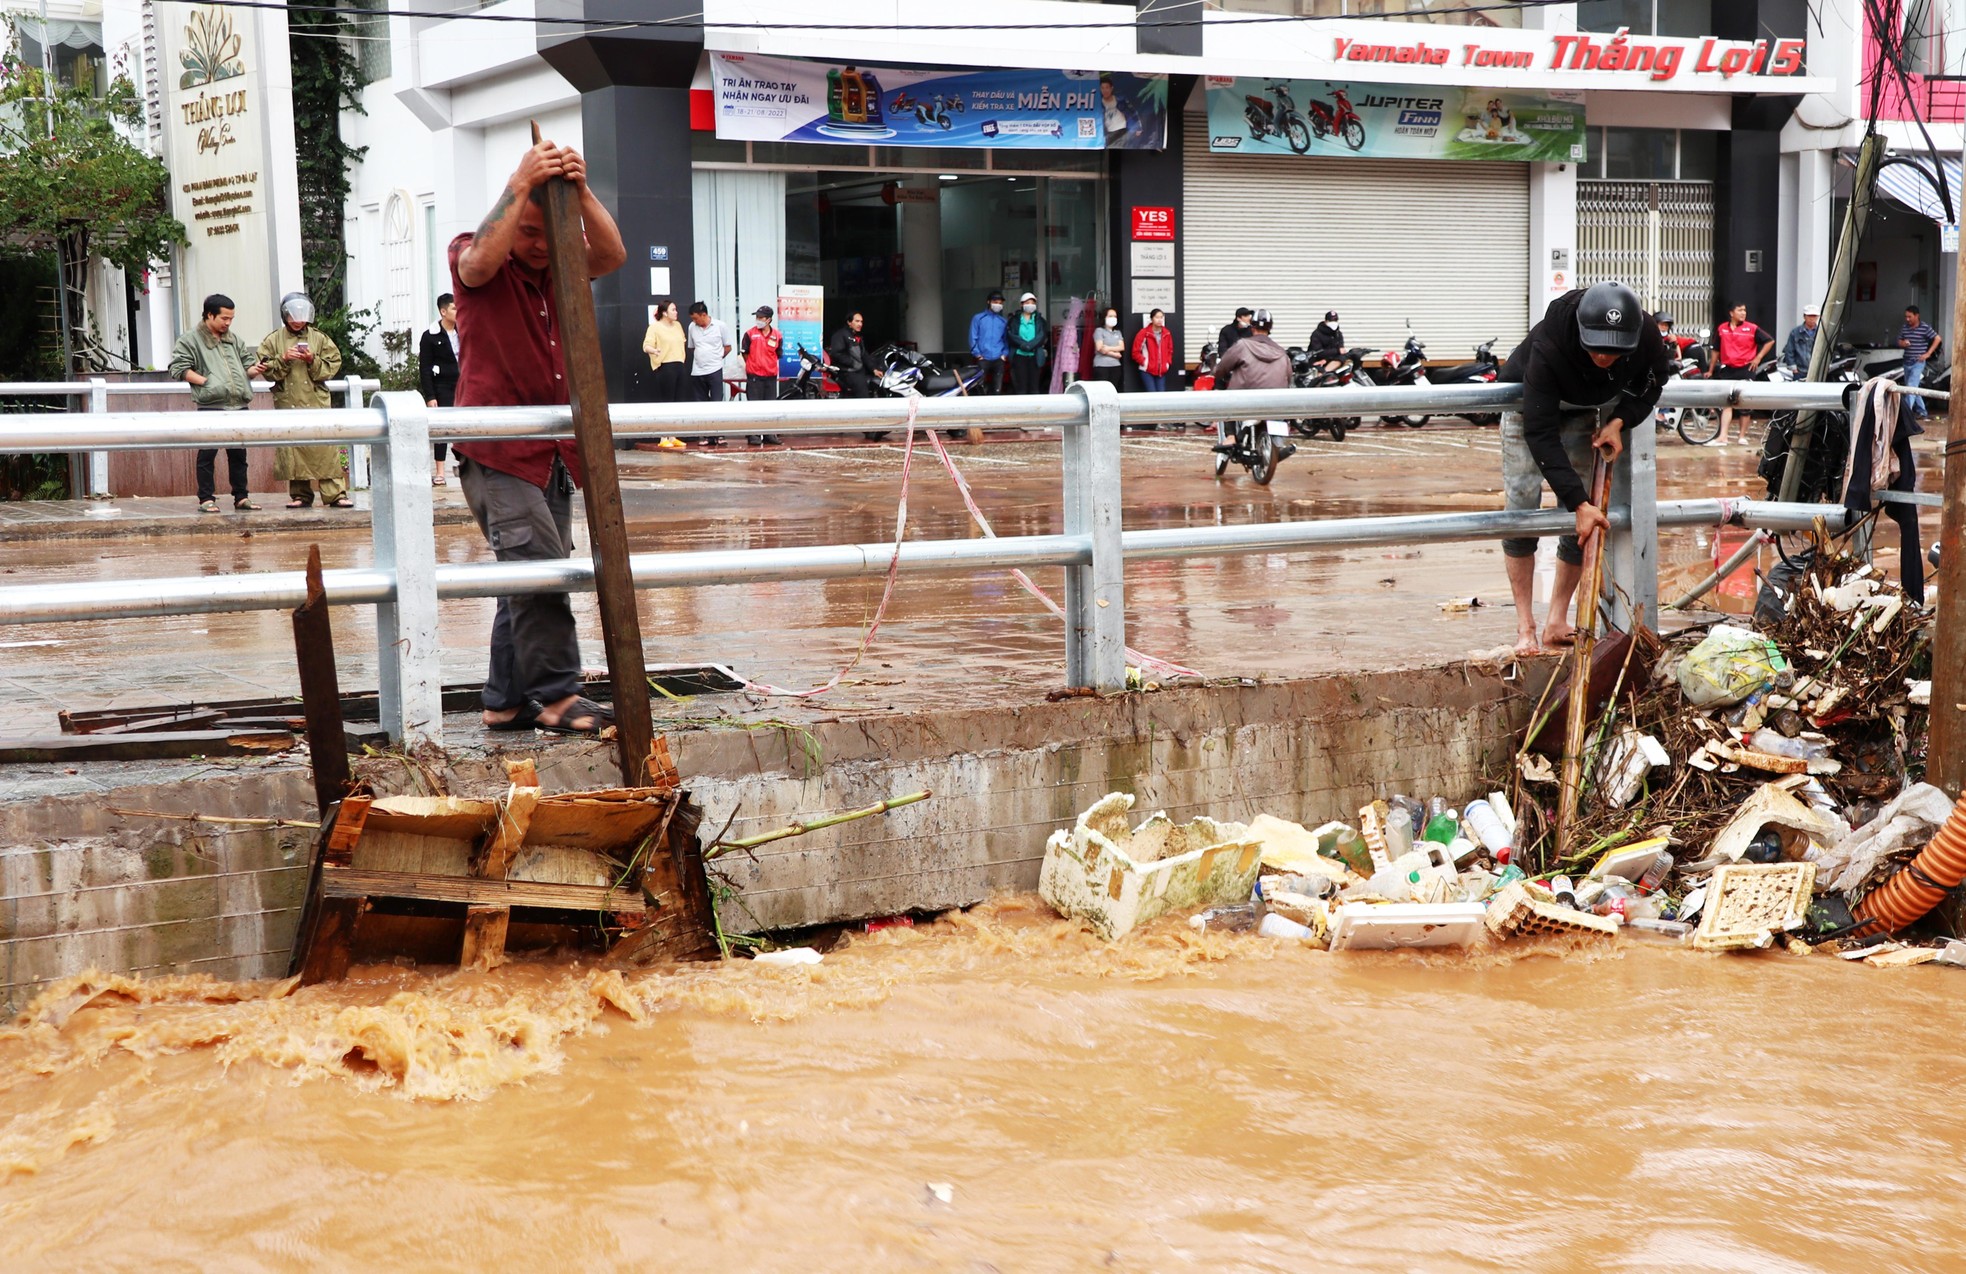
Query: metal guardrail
[(405, 583), (99, 390)]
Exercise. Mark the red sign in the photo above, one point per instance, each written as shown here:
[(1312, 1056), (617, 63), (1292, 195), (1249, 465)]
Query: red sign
[(1153, 223)]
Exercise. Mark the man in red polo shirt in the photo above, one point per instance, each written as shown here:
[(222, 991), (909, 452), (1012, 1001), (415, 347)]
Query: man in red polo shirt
[(521, 493)]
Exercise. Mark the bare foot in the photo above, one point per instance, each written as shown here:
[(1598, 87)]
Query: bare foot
[(1528, 645), (1558, 635)]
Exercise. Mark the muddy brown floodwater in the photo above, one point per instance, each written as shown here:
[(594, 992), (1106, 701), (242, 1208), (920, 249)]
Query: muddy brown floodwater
[(1177, 1101)]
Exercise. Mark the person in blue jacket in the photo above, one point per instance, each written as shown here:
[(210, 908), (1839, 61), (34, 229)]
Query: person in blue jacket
[(988, 346)]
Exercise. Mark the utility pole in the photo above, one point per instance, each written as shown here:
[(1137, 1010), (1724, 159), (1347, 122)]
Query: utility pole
[(1945, 763)]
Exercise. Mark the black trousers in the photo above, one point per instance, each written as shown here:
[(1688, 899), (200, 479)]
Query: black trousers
[(856, 385), (1111, 375), (235, 470), (672, 383), (707, 388), (535, 650), (1026, 377), (995, 373)]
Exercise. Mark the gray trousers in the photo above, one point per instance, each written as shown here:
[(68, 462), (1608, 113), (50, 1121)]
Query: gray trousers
[(1522, 477), (535, 651)]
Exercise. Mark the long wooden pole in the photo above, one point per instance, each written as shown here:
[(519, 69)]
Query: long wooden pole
[(1582, 647), (1945, 762), (593, 434)]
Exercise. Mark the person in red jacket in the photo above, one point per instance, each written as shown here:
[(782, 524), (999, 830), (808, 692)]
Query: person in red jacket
[(760, 349), (1153, 352)]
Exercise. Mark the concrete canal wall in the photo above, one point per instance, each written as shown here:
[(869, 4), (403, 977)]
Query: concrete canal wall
[(83, 887)]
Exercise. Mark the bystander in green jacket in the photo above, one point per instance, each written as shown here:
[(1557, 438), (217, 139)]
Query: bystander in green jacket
[(299, 359), (224, 362)]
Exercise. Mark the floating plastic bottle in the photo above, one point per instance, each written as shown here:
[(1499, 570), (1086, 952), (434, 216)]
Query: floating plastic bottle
[(1241, 918), (1443, 827)]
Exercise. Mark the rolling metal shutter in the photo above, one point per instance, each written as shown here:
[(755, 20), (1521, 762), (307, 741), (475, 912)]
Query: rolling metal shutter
[(1441, 242)]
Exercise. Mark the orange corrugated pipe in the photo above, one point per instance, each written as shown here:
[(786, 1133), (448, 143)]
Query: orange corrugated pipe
[(1919, 885)]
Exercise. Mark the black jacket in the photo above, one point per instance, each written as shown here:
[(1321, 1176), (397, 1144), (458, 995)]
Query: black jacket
[(1326, 342), (1553, 369), (848, 350), (436, 365), (1225, 342)]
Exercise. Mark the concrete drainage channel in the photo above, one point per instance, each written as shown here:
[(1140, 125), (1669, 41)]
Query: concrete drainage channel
[(83, 887)]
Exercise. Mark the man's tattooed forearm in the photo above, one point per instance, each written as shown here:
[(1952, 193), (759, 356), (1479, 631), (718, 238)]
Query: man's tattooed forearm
[(497, 214)]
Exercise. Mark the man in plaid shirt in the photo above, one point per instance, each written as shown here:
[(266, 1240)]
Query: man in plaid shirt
[(1919, 342)]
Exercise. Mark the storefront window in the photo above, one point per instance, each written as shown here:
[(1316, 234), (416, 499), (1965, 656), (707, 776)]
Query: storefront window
[(916, 239), (1639, 154), (1650, 154), (1698, 160), (1647, 17)]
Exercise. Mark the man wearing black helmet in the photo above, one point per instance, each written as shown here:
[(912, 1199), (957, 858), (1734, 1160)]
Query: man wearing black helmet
[(1590, 370)]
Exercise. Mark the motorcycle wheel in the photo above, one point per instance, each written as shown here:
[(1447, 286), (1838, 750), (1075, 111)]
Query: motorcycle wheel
[(1298, 136), (1305, 428), (1354, 134), (1698, 427), (1414, 422), (1484, 418), (1221, 464), (1264, 467), (1337, 428), (875, 435)]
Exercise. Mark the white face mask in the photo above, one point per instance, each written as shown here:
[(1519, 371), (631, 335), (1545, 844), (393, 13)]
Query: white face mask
[(996, 307), (1111, 321), (1030, 309)]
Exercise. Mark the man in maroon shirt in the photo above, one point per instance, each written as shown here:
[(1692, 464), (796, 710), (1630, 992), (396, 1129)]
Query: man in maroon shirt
[(521, 493)]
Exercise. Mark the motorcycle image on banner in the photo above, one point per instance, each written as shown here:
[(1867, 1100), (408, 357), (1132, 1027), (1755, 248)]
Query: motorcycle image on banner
[(1394, 121)]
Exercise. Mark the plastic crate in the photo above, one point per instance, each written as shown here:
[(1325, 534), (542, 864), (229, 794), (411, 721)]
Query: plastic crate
[(1116, 877), (1523, 910)]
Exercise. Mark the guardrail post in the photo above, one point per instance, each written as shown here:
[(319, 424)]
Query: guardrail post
[(360, 475), (98, 460), (410, 683), (1633, 579), (1095, 594)]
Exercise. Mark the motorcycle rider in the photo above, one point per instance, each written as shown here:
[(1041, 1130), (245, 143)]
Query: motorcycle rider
[(1256, 362), (1236, 331), (1590, 370), (1327, 343)]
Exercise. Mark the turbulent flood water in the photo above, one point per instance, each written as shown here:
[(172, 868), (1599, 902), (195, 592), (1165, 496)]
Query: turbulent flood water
[(999, 1091)]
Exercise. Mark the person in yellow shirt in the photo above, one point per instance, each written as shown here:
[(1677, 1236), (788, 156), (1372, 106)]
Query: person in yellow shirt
[(668, 360)]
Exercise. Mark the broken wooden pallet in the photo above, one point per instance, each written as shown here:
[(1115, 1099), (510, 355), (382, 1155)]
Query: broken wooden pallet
[(419, 875)]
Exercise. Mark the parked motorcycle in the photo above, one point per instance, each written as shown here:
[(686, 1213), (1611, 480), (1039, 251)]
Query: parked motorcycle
[(1308, 373), (814, 379), (1280, 119), (1482, 371), (1408, 367), (817, 378), (901, 372), (1337, 118)]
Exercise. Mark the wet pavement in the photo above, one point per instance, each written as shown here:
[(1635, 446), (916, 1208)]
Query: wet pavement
[(946, 639)]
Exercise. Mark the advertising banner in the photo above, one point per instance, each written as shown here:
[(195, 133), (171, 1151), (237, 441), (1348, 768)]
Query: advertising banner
[(766, 99), (800, 311), (1393, 121)]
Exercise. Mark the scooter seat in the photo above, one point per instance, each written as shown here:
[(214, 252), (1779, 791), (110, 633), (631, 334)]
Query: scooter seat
[(935, 384)]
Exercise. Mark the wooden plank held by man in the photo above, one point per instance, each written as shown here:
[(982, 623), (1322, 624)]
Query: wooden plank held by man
[(593, 431), (1585, 642)]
